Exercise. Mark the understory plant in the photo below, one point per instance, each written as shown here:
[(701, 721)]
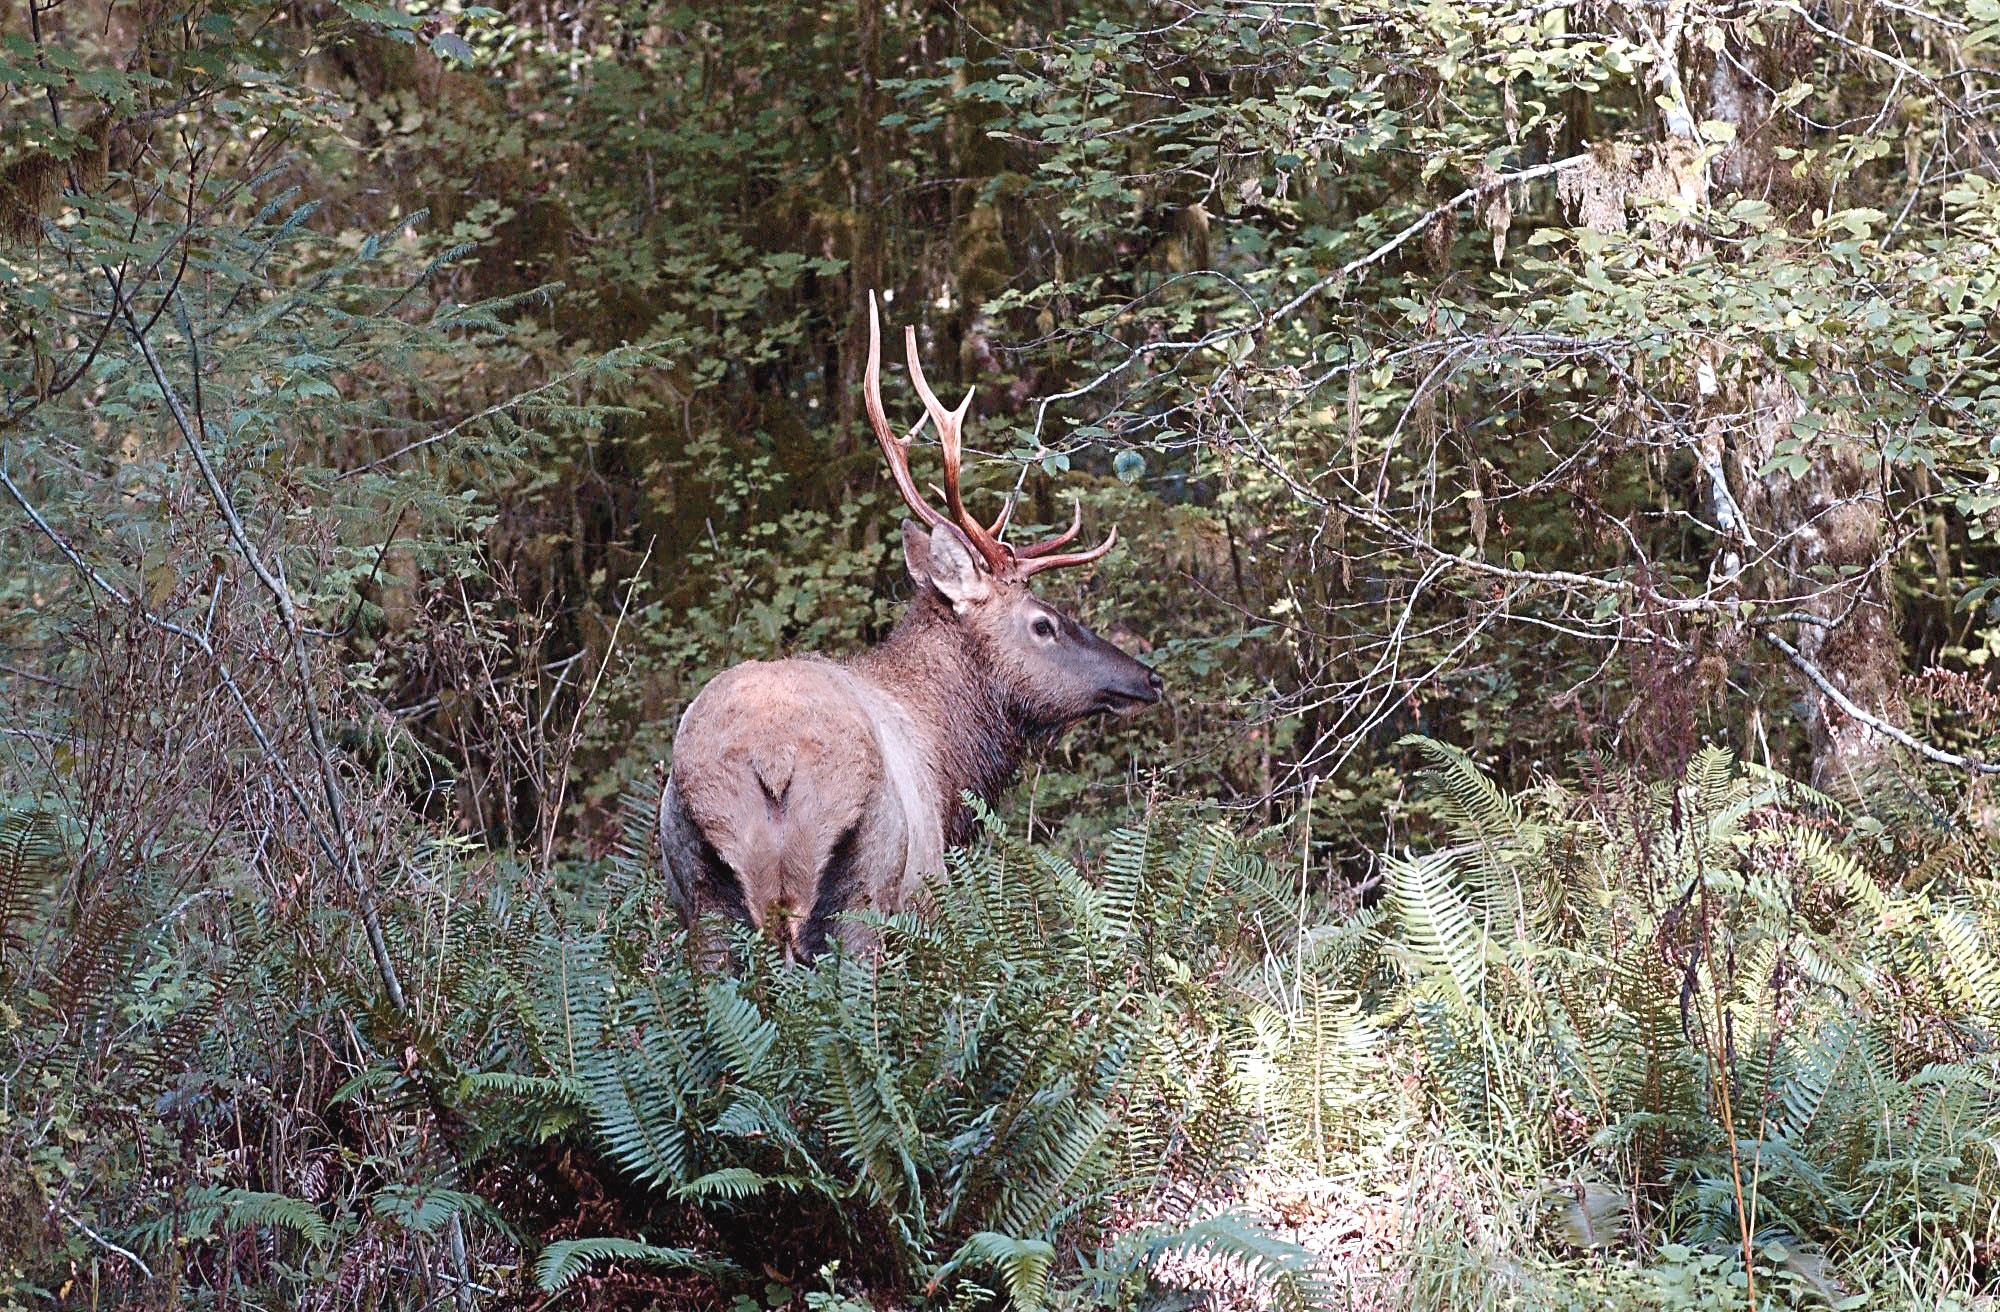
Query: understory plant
[(1713, 1041), (991, 1103), (1717, 1022)]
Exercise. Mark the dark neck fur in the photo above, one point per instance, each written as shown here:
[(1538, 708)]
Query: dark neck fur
[(931, 664)]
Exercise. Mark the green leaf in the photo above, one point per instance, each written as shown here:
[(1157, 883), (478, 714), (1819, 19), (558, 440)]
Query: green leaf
[(563, 1261)]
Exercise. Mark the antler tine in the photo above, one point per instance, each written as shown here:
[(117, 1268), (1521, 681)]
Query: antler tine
[(1006, 513), (896, 449), (1044, 548), (950, 429), (1007, 561), (1037, 564), (999, 525)]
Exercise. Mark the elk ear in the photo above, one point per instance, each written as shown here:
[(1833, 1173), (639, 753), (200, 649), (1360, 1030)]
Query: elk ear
[(917, 553), (944, 560)]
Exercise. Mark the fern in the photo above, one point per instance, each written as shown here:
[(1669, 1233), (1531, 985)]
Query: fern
[(1126, 865), (1050, 1164), (989, 1082), (1967, 960), (425, 1208), (208, 1210), (563, 1261), (1024, 1265), (868, 1122), (1695, 955), (1473, 803), (1446, 942), (1286, 1275), (744, 1037), (734, 1184), (32, 854)]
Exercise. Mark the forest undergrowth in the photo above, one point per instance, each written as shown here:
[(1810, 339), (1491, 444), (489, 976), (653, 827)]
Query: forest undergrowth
[(1707, 1042)]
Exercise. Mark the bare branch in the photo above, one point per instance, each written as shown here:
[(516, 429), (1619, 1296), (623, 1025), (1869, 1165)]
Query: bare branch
[(498, 407), (1879, 725), (288, 617), (199, 641), (125, 1253), (1339, 276)]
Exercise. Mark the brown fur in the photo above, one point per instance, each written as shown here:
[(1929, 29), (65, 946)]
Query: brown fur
[(813, 783), (947, 680)]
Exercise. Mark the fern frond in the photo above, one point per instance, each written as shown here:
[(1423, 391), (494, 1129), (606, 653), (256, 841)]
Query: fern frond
[(740, 1032), (32, 854), (1053, 1162), (1288, 1275), (862, 1109), (1024, 1265), (1444, 938), (566, 1259), (733, 1184), (1126, 863), (1967, 959), (424, 1208), (210, 1209), (1478, 808)]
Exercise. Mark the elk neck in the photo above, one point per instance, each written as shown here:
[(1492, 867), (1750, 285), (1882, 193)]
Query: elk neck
[(933, 666)]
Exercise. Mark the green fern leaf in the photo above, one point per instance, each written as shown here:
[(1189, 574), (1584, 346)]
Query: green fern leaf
[(32, 854), (566, 1259), (1445, 940), (1024, 1265)]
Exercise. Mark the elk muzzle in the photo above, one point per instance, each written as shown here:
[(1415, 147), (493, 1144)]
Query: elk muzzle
[(1123, 683), (1131, 695)]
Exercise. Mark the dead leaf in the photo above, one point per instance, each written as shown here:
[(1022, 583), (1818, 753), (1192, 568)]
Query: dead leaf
[(1497, 212)]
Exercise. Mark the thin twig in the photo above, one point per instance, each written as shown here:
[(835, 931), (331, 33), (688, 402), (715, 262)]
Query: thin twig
[(576, 721), (123, 1252), (1336, 278), (30, 675), (1879, 725), (199, 641), (288, 617), (491, 410)]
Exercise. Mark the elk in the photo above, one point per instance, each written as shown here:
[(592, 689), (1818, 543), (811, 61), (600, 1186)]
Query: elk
[(804, 788)]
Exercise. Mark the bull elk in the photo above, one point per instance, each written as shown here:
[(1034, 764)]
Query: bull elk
[(804, 788)]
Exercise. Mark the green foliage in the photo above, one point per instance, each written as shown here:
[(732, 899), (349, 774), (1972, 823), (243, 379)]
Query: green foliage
[(208, 1211), (1024, 1265), (1286, 1275), (1753, 1029), (32, 852), (566, 1259), (403, 413), (977, 1091)]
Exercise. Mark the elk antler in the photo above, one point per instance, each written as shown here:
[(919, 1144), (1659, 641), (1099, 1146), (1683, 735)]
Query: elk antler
[(897, 449), (1005, 561)]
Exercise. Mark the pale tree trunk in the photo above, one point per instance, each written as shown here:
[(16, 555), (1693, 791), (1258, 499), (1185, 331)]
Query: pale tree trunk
[(1814, 539), (1814, 542)]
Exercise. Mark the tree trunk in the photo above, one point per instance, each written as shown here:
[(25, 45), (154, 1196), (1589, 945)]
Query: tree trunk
[(865, 259), (1813, 540)]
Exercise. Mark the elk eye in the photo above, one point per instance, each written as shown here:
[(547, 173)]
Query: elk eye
[(1044, 627)]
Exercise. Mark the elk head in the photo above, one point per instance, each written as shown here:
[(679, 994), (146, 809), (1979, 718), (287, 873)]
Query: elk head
[(1048, 670)]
